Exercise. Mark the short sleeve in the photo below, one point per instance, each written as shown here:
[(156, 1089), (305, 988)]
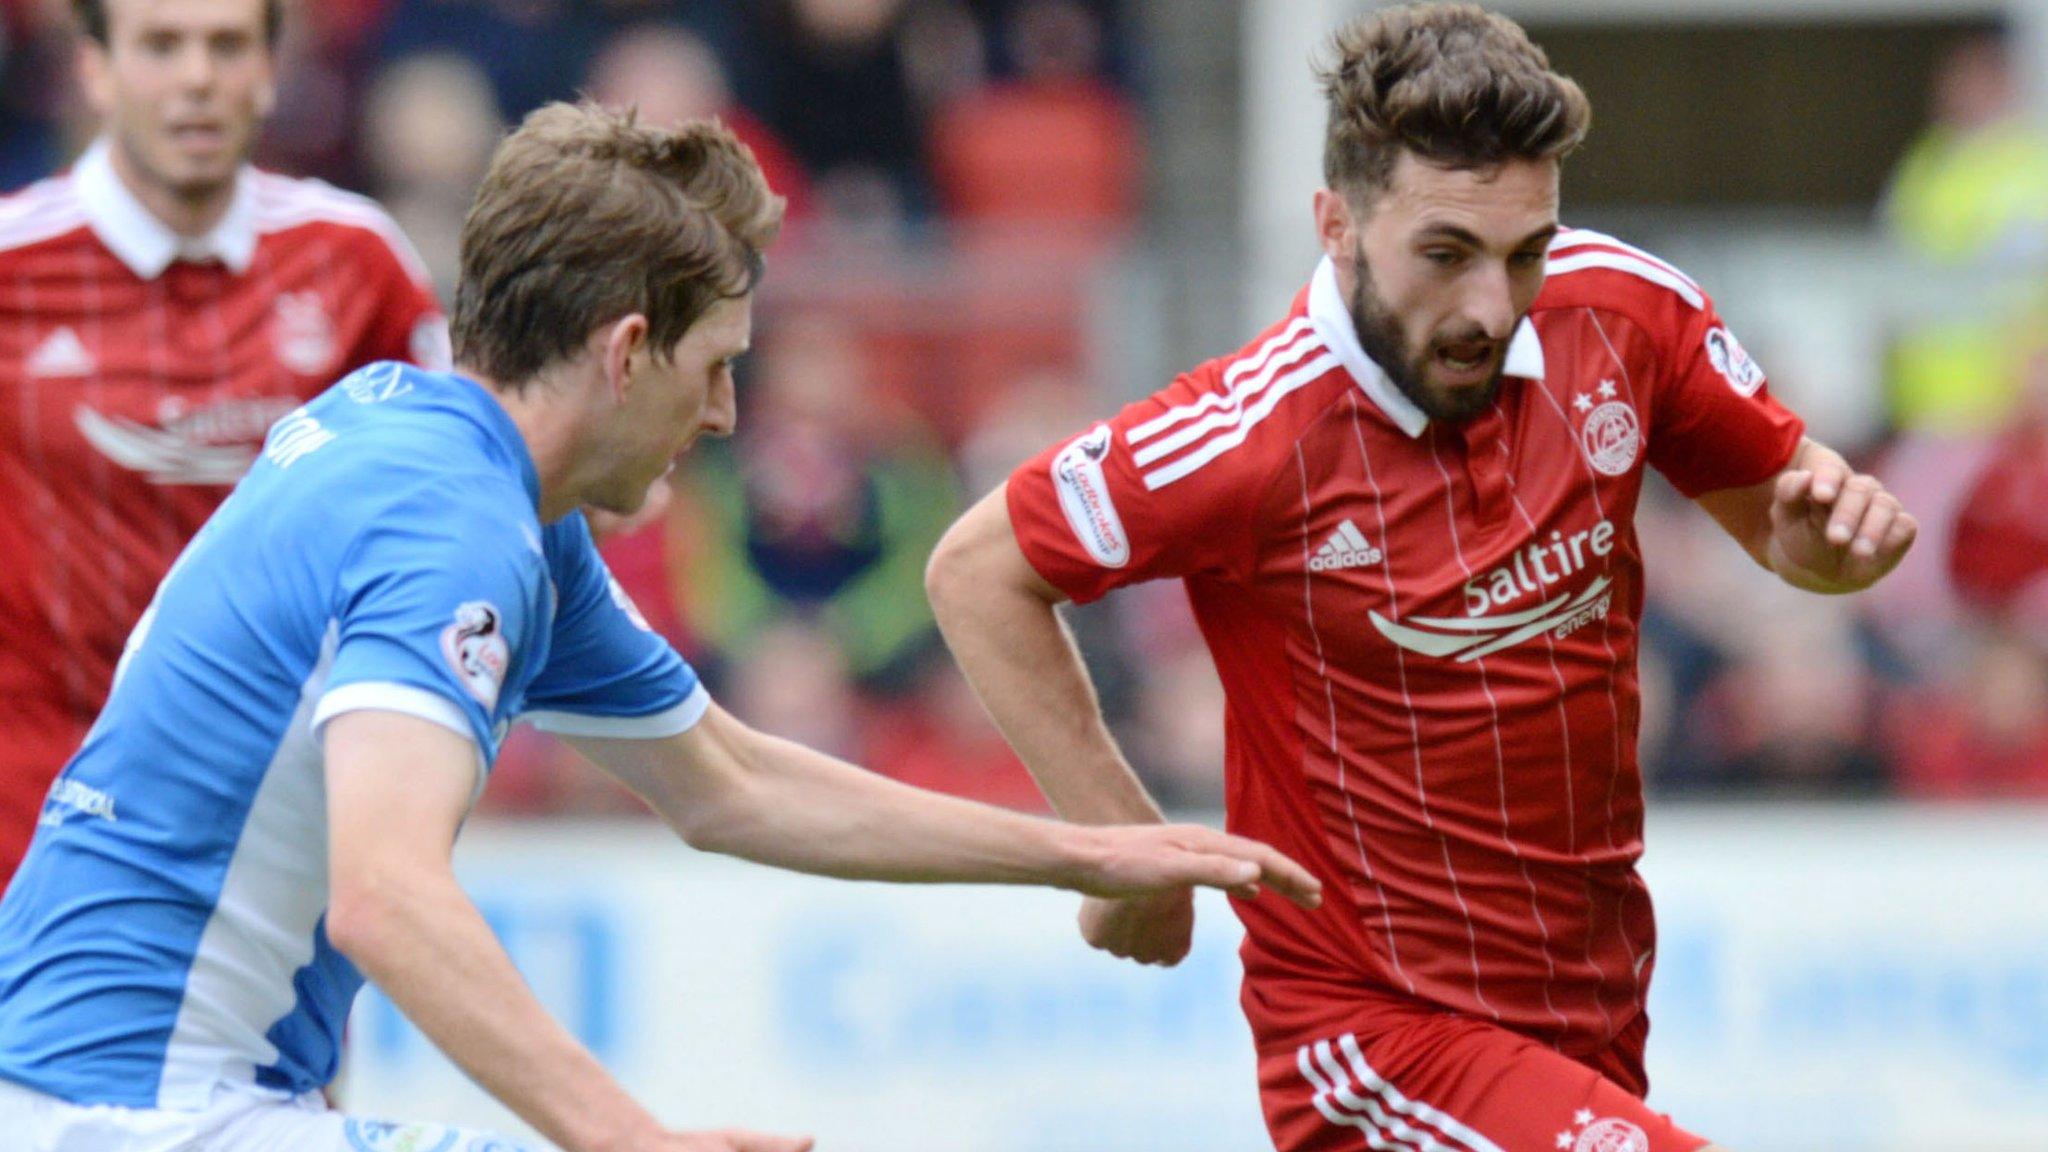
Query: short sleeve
[(1163, 489), (435, 612), (608, 673), (1715, 424)]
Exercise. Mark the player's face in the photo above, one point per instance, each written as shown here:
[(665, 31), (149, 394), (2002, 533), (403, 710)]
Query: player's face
[(1445, 264), (673, 402), (183, 87)]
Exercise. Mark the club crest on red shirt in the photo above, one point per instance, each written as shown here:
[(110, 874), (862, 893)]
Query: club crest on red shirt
[(305, 333), (1611, 436), (1609, 1135)]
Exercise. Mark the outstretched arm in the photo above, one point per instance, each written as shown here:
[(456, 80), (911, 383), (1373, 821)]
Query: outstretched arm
[(397, 789), (1819, 524), (730, 789)]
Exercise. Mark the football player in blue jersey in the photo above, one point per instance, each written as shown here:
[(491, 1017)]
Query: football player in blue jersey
[(264, 813)]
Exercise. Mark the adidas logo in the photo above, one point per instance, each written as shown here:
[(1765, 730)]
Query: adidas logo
[(1346, 548), (61, 354)]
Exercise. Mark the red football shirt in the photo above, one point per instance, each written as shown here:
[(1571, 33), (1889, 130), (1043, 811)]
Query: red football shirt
[(138, 374), (1427, 632)]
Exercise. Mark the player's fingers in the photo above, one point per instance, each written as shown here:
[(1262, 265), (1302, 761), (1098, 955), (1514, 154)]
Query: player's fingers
[(1904, 531), (1875, 526), (1830, 480), (1794, 495), (1217, 870), (1276, 869), (743, 1141), (1849, 509), (1292, 880)]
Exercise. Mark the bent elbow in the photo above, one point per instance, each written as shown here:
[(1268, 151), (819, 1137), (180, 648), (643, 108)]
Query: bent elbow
[(371, 905), (356, 920), (711, 803), (945, 573), (698, 827)]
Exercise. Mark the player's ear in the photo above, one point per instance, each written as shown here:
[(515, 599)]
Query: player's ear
[(1334, 222), (622, 350), (266, 84), (96, 75)]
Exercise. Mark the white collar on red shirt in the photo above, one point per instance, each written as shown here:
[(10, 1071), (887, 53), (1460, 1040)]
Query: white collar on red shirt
[(143, 242), (1332, 320)]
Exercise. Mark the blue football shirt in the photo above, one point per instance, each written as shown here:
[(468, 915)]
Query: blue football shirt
[(164, 935)]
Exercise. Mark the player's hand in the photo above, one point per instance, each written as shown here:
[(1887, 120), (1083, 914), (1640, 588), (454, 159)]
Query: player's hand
[(730, 1140), (1137, 859), (1837, 526), (1156, 929)]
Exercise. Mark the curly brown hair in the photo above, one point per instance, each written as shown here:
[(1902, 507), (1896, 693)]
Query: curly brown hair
[(586, 216), (1456, 85)]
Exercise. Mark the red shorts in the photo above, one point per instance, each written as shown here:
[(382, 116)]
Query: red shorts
[(1402, 1076)]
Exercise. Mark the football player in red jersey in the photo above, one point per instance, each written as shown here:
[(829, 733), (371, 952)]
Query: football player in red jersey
[(1404, 516), (161, 305)]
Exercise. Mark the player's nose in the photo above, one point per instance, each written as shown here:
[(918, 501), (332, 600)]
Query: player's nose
[(195, 66), (721, 409), (1490, 301)]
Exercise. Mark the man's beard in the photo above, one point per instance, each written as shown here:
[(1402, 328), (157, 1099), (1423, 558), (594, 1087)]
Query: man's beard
[(1379, 332)]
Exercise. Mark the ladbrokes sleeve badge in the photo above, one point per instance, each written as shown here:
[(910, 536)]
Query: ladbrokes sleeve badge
[(1732, 362), (1084, 497), (475, 647)]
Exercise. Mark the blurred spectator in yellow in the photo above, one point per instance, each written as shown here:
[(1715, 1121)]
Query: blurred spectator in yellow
[(671, 74), (826, 511), (1970, 199)]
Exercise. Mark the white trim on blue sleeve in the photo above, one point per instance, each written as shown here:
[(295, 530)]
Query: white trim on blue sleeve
[(671, 721), (383, 696)]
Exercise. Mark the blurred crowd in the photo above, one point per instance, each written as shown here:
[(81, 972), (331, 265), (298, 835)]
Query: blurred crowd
[(1935, 684), (963, 177)]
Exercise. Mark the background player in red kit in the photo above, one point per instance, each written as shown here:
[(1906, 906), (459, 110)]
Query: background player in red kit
[(1405, 519), (160, 306)]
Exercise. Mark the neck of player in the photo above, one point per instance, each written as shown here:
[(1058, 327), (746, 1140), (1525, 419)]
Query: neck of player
[(552, 438)]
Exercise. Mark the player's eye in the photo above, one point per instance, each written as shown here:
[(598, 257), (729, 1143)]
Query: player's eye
[(231, 44), (1530, 259), (1444, 257)]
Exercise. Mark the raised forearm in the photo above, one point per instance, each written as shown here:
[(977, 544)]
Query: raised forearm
[(999, 619)]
